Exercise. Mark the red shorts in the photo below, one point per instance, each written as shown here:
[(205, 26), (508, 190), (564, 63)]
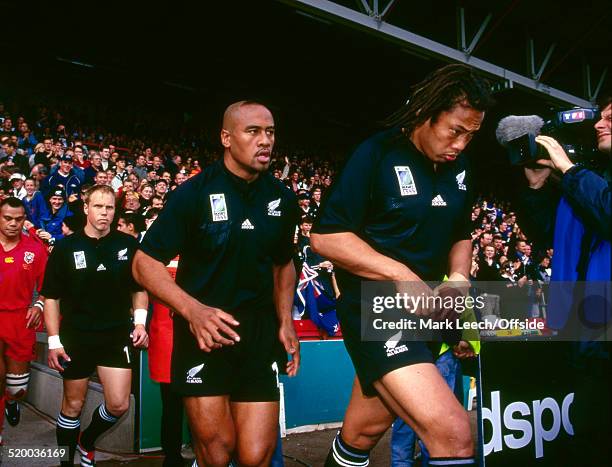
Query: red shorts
[(160, 343), (19, 341)]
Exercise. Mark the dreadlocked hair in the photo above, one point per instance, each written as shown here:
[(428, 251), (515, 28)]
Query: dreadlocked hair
[(439, 92)]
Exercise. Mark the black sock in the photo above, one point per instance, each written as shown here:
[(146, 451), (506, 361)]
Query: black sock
[(171, 425), (452, 461), (343, 455), (101, 420), (67, 431)]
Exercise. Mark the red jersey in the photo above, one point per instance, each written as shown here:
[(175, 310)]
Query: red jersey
[(21, 271), (160, 337)]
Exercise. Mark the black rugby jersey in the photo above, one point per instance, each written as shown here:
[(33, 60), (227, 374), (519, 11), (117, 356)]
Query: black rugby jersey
[(390, 195), (228, 233), (92, 278)]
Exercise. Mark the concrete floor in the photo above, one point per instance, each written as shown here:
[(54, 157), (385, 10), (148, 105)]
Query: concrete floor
[(304, 449)]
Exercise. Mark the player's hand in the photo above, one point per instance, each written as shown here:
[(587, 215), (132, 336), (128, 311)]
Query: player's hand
[(463, 350), (558, 157), (413, 286), (33, 317), (289, 339), (53, 358), (450, 292), (140, 338), (211, 327)]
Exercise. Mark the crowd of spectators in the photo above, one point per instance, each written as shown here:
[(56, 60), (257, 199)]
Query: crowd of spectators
[(502, 252), (49, 161)]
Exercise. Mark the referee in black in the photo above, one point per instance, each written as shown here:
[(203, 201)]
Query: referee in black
[(400, 212), (233, 227), (88, 283)]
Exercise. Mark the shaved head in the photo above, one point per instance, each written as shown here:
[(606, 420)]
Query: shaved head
[(233, 111), (247, 137)]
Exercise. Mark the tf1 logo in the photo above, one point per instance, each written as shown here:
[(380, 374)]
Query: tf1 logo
[(516, 418)]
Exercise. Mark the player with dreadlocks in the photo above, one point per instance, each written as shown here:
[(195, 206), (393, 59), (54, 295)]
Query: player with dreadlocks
[(400, 212)]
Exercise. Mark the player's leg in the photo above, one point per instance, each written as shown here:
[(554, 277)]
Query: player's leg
[(68, 422), (212, 429), (116, 384), (2, 385), (17, 379), (421, 397), (19, 351), (365, 421), (256, 432)]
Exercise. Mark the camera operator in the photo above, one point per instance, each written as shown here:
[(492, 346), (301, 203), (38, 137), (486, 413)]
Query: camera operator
[(579, 227)]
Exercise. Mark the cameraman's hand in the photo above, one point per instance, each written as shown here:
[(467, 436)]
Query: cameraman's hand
[(558, 157)]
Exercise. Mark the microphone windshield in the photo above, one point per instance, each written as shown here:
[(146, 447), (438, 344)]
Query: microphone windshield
[(515, 126)]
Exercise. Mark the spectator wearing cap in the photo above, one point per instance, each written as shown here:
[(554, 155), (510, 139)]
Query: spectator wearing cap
[(17, 190), (51, 223), (34, 203), (304, 203), (66, 178)]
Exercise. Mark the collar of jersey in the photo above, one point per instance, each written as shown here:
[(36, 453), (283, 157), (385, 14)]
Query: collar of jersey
[(240, 183)]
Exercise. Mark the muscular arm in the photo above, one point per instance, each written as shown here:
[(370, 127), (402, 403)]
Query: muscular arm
[(284, 288), (351, 253), (154, 276), (460, 260), (52, 316), (206, 323)]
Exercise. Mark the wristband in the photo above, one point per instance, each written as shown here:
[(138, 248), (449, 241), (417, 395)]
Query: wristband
[(140, 316), (54, 342), (39, 304)]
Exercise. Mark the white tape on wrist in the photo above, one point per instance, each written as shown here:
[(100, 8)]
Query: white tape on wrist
[(40, 305), (140, 316), (54, 342)]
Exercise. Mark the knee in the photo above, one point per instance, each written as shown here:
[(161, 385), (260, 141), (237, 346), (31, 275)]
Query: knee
[(72, 406), (366, 437), (254, 456), (456, 435), (117, 408), (214, 451)]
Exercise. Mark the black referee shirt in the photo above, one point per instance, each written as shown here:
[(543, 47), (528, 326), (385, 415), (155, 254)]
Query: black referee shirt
[(92, 278), (390, 196), (228, 233)]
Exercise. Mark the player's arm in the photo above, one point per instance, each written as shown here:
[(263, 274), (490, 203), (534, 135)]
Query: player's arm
[(35, 312), (140, 304), (460, 260), (52, 323), (351, 253), (284, 288), (206, 323)]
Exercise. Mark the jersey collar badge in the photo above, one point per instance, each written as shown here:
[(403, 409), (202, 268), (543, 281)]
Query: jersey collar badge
[(460, 181), (405, 180), (218, 207)]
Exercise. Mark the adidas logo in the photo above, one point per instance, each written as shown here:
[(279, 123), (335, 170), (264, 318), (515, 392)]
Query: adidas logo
[(246, 225), (438, 201), (101, 268)]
